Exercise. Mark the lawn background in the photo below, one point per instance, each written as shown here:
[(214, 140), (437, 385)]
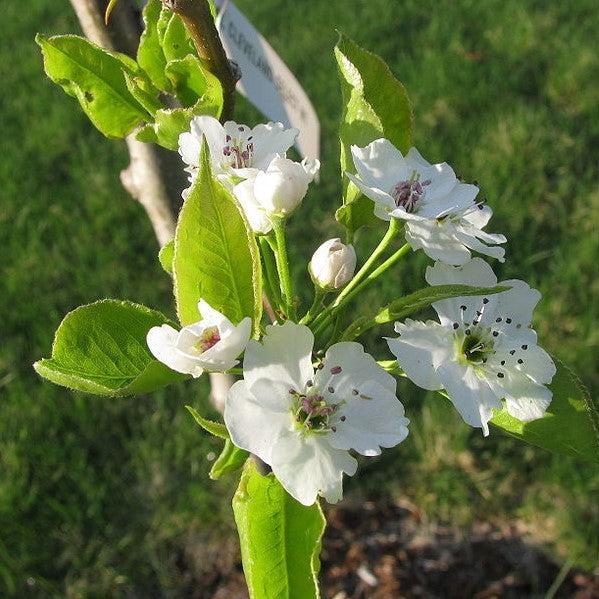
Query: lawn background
[(102, 497)]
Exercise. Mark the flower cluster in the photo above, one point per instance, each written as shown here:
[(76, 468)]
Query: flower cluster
[(303, 411)]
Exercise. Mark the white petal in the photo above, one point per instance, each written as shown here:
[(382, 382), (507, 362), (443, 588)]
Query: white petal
[(469, 236), (357, 367), (213, 131), (471, 395), (252, 426), (189, 149), (306, 466), (476, 273), (271, 139), (285, 356), (441, 176), (479, 216), (223, 354), (420, 349), (257, 217), (518, 303), (210, 316), (162, 343), (380, 164), (371, 420), (438, 241), (384, 203), (532, 404), (446, 201)]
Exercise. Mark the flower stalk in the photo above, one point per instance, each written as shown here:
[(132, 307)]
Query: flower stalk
[(286, 282)]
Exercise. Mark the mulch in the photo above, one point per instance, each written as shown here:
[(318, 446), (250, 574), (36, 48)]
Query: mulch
[(390, 551)]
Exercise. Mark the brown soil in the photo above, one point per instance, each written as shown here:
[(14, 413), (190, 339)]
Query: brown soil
[(390, 552)]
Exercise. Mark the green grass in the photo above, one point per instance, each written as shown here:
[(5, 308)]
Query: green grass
[(111, 497)]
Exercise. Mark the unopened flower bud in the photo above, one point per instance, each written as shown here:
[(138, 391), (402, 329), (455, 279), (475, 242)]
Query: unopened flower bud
[(282, 186), (333, 264)]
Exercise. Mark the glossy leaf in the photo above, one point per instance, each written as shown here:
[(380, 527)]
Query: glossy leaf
[(570, 425), (229, 461), (165, 256), (174, 38), (280, 538), (97, 79), (218, 429), (375, 104), (150, 54), (216, 257), (192, 83), (144, 92), (101, 348)]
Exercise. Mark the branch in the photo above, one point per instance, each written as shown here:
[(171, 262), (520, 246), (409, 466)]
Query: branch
[(199, 23), (142, 178)]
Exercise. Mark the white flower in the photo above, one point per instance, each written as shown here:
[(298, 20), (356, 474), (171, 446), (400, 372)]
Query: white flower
[(333, 264), (211, 344), (482, 351), (234, 149), (282, 186), (441, 215), (303, 423)]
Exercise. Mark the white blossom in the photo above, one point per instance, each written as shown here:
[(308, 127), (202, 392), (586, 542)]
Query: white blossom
[(235, 149), (212, 344), (302, 421), (333, 264), (483, 349), (442, 217)]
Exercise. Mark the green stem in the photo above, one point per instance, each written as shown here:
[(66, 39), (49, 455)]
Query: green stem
[(278, 225), (270, 271), (319, 295)]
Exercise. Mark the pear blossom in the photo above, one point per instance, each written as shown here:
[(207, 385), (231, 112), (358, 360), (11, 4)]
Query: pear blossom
[(212, 344), (302, 421), (442, 217), (333, 264), (235, 149), (483, 349)]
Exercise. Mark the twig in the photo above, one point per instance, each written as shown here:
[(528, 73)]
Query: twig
[(199, 22)]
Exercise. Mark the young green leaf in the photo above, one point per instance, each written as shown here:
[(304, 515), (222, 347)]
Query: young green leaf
[(150, 55), (280, 538), (144, 92), (570, 425), (174, 38), (230, 460), (404, 306), (216, 257), (192, 83), (97, 79), (165, 256), (214, 428), (375, 104), (101, 349)]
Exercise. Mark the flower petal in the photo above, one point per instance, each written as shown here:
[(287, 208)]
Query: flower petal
[(270, 139), (420, 349), (285, 356), (438, 240), (380, 164), (346, 366), (369, 421), (307, 466), (162, 343), (223, 354), (471, 395), (253, 426)]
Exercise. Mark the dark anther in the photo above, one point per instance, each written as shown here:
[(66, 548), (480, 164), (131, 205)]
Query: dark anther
[(331, 390), (525, 347), (467, 332), (500, 375), (462, 307), (355, 392), (503, 362), (498, 319), (336, 370), (508, 320), (455, 325), (520, 361), (495, 333), (485, 300), (343, 418), (512, 352)]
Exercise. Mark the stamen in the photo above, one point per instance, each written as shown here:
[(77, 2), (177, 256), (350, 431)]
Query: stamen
[(336, 370), (500, 375)]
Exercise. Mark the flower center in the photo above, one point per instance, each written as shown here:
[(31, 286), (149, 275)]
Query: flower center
[(474, 344), (312, 412), (408, 193), (209, 338), (239, 151)]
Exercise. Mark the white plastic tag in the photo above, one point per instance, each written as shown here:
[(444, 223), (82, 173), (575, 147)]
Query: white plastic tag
[(265, 79)]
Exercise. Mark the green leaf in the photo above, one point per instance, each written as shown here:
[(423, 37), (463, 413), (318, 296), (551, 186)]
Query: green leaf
[(150, 55), (357, 213), (570, 425), (214, 428), (166, 256), (375, 104), (423, 298), (280, 538), (174, 38), (101, 348), (230, 460), (144, 92), (192, 82), (97, 79), (216, 257)]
